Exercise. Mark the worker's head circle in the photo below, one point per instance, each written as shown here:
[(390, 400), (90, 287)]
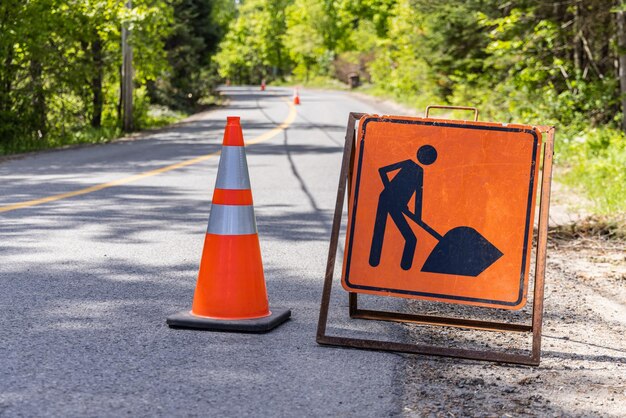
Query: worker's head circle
[(427, 154)]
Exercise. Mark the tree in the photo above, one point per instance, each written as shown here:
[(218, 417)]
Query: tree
[(198, 26), (304, 38), (253, 48), (61, 61)]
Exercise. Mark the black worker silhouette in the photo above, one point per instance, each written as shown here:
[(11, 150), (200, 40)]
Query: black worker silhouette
[(461, 251), (394, 199)]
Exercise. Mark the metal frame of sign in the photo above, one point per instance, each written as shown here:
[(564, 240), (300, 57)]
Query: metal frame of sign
[(534, 327)]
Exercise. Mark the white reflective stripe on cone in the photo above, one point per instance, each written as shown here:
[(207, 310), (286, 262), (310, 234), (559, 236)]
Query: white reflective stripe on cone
[(231, 220), (232, 172)]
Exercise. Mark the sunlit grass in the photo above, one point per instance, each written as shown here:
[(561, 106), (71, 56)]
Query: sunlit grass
[(596, 165)]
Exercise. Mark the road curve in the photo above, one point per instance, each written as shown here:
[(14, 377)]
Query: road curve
[(99, 244)]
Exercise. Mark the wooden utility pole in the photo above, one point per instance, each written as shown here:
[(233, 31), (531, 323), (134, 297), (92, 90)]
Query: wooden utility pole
[(127, 76)]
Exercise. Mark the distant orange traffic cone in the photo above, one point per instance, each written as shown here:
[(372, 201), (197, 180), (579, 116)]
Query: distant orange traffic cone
[(230, 293), (296, 96), (263, 85)]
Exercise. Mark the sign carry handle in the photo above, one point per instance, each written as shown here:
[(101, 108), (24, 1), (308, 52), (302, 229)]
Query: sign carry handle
[(473, 109)]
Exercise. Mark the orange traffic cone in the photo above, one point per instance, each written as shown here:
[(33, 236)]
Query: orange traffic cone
[(230, 294), (296, 96), (263, 85)]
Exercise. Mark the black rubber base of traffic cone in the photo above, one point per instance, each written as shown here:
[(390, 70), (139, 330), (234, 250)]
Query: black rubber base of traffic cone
[(188, 320)]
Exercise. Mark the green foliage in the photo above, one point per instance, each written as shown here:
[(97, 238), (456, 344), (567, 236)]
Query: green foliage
[(303, 40), (398, 67), (377, 12), (253, 49), (530, 61), (60, 65), (597, 165), (197, 28)]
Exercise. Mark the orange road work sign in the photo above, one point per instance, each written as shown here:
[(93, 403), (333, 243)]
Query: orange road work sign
[(442, 210)]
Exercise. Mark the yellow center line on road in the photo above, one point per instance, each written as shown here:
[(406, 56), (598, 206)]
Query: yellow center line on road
[(263, 137)]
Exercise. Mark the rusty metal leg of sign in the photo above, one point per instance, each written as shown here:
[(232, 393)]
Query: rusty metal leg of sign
[(542, 244), (355, 312), (348, 152)]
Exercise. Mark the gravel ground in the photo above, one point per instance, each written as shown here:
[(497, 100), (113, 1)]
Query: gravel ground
[(583, 366)]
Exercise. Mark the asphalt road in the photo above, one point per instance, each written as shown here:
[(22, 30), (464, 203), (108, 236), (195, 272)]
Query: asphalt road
[(89, 277)]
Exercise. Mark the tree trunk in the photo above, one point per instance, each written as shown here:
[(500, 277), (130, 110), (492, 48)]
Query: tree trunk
[(39, 98), (127, 76), (119, 98), (6, 79), (578, 53), (96, 81), (621, 53)]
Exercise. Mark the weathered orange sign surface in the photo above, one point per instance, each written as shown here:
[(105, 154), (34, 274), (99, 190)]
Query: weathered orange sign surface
[(442, 210)]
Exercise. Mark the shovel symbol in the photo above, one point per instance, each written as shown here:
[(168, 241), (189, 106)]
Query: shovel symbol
[(461, 251)]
